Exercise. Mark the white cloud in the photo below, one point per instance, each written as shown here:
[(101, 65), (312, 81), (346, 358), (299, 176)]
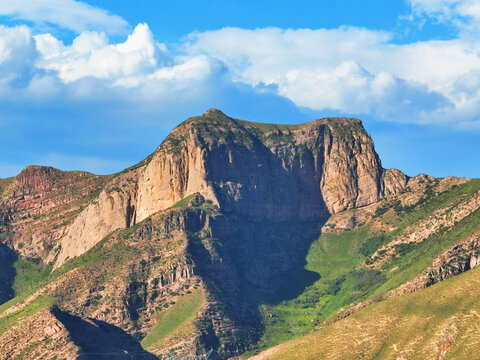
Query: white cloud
[(352, 89), (138, 73), (91, 55), (69, 14), (350, 70), (17, 56), (463, 14), (275, 50)]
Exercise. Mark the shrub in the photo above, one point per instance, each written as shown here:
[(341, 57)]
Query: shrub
[(367, 279), (335, 285), (372, 244)]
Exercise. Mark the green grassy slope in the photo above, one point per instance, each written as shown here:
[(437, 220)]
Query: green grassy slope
[(183, 202), (440, 322), (339, 260), (31, 309), (29, 272), (174, 318)]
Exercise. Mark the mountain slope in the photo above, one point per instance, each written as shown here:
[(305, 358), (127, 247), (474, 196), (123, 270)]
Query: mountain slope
[(257, 232), (441, 322), (354, 268)]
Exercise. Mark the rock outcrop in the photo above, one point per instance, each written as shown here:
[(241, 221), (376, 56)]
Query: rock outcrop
[(39, 205), (263, 171), (259, 195)]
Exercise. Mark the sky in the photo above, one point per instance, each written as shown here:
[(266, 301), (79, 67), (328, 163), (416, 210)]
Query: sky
[(96, 85)]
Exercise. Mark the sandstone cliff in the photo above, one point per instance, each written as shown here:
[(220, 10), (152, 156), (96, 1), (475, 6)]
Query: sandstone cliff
[(274, 172)]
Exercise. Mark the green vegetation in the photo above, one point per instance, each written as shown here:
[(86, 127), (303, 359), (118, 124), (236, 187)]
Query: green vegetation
[(42, 275), (183, 202), (103, 254), (371, 245), (421, 325), (264, 127), (345, 129), (338, 258), (176, 143), (364, 282), (18, 275), (173, 318), (335, 285), (280, 137), (334, 257), (420, 255), (34, 307), (31, 275), (381, 210), (29, 272)]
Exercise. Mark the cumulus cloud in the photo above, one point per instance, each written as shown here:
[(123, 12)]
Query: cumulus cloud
[(352, 89), (350, 70), (355, 71), (275, 50), (17, 55), (69, 14), (138, 70), (90, 55)]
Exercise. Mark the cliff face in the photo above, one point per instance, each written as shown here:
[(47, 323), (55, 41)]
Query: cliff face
[(39, 205), (122, 253), (263, 171), (283, 172)]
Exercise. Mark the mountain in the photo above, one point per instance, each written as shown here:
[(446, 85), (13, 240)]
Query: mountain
[(233, 236)]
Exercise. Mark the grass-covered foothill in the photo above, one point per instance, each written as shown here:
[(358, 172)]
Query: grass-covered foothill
[(174, 317), (440, 322), (30, 275), (334, 257), (339, 260), (19, 274)]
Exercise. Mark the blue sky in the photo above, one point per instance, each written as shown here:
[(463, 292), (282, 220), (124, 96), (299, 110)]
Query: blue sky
[(97, 85)]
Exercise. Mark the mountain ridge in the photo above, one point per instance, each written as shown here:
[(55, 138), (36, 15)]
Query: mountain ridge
[(223, 207), (144, 196)]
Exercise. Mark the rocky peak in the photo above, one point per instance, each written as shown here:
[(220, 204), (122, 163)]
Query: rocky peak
[(213, 111), (275, 172), (36, 179), (221, 201), (271, 170)]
